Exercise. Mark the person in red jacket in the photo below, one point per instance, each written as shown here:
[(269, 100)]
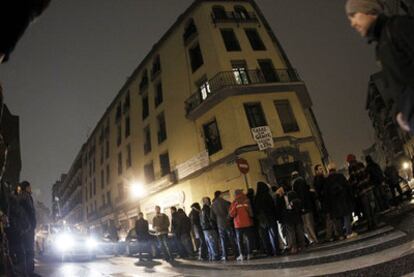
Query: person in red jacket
[(242, 214)]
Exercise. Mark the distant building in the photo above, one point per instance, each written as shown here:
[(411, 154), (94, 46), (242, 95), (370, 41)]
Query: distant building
[(185, 115)]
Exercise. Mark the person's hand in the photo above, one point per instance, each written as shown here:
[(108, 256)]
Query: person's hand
[(403, 123)]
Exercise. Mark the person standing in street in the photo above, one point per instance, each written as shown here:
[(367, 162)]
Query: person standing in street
[(393, 179), (161, 223), (265, 211), (209, 227), (220, 214), (302, 189), (143, 236), (394, 38), (363, 189), (376, 176), (242, 213), (338, 203), (175, 230), (199, 239), (184, 233), (26, 202)]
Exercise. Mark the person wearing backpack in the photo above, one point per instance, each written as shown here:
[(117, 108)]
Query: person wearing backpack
[(394, 38), (338, 201)]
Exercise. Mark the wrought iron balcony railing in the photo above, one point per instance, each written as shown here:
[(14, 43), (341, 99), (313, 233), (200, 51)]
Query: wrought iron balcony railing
[(239, 78)]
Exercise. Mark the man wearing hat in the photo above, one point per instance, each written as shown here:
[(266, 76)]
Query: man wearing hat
[(27, 204), (394, 38)]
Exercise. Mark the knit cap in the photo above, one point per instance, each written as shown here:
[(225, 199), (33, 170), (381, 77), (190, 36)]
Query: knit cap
[(364, 6)]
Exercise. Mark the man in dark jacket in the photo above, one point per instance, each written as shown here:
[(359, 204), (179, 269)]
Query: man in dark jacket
[(362, 189), (265, 212), (143, 236), (184, 233), (338, 202), (26, 202), (376, 176), (175, 230), (393, 179), (199, 239), (209, 227), (15, 17), (395, 51), (220, 214), (302, 189)]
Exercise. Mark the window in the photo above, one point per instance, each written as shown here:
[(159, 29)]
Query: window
[(102, 154), (127, 103), (255, 115), (119, 135), (144, 81), (219, 12), (241, 12), (145, 107), (268, 71), (108, 174), (156, 66), (102, 179), (240, 72), (149, 173), (108, 198), (127, 127), (230, 40), (165, 164), (190, 30), (196, 57), (162, 128), (119, 163), (255, 40), (147, 140), (129, 156), (121, 190), (118, 113), (158, 94), (107, 149), (94, 186), (287, 118), (204, 88), (90, 190), (212, 137)]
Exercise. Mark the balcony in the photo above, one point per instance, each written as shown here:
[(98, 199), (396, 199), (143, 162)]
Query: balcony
[(233, 17), (232, 79)]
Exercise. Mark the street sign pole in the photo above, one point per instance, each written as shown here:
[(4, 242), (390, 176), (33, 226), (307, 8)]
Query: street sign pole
[(247, 182)]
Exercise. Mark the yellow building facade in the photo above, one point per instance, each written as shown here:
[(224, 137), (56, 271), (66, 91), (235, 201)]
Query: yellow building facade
[(185, 115)]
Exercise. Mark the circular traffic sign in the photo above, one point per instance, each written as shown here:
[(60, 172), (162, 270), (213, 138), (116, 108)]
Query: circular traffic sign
[(243, 165)]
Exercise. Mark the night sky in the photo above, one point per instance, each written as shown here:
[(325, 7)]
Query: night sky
[(72, 62)]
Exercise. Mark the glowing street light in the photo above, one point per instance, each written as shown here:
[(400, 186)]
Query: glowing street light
[(406, 165), (137, 190)]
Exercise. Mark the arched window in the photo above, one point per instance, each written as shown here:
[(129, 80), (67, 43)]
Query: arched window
[(219, 12), (241, 12), (190, 30)]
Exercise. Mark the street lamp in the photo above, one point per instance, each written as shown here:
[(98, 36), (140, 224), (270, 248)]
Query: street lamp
[(137, 190), (406, 165)]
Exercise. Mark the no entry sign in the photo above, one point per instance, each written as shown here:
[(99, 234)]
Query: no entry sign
[(243, 165)]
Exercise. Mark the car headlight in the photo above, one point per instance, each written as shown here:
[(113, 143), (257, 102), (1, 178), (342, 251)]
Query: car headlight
[(64, 242), (91, 243)]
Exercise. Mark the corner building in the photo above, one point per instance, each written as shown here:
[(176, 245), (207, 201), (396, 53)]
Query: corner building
[(184, 116)]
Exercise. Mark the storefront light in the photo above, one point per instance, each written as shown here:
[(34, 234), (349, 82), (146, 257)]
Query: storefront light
[(137, 190)]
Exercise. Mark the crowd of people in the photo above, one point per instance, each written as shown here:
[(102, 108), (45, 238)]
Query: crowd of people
[(282, 219)]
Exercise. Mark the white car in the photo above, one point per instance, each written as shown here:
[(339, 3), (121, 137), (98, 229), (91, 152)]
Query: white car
[(64, 242)]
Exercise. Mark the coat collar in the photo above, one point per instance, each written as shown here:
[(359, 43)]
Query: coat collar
[(374, 33)]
